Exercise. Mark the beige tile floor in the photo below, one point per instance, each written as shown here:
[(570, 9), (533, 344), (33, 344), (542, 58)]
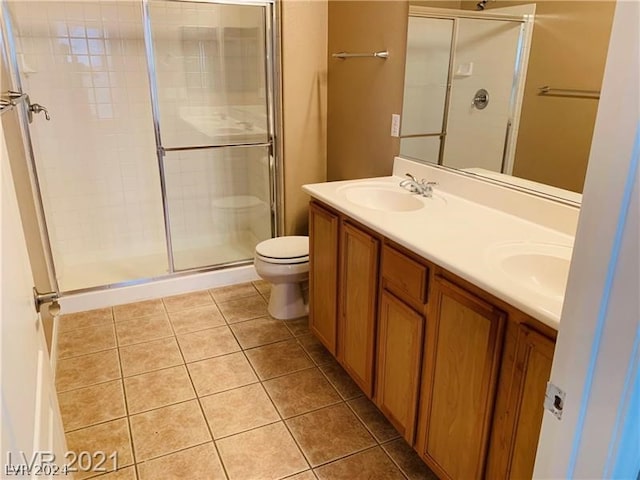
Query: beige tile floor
[(207, 386)]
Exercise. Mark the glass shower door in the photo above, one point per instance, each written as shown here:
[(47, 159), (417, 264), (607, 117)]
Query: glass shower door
[(94, 161), (213, 131), (425, 89)]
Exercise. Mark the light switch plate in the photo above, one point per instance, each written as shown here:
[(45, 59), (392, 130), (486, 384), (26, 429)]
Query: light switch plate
[(395, 125)]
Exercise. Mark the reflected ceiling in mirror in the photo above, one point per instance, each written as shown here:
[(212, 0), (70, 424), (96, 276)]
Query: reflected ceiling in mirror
[(474, 97)]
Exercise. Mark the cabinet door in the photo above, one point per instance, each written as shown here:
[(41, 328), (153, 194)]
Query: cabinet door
[(323, 275), (464, 338), (358, 287), (520, 404), (400, 340)]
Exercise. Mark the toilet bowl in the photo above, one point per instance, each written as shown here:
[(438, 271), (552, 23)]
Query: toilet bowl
[(284, 263)]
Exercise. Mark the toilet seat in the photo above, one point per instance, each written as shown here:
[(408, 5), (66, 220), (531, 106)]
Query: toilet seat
[(284, 250), (284, 263)]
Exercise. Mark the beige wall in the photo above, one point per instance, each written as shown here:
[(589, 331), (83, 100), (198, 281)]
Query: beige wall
[(568, 50), (364, 92), (304, 78), (437, 3)]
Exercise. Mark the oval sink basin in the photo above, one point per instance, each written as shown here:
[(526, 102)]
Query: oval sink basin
[(542, 267), (385, 197), (386, 200)]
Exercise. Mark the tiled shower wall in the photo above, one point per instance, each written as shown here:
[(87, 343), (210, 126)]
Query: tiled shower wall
[(96, 159), (98, 172)]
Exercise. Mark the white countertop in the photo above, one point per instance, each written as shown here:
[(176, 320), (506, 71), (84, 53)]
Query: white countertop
[(461, 236)]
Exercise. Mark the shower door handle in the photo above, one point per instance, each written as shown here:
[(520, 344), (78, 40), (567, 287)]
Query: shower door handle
[(37, 108), (32, 108)]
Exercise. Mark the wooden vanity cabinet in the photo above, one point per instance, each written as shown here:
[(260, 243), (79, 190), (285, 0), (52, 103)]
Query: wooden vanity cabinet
[(323, 274), (461, 374), (357, 306), (526, 367), (461, 362), (399, 354), (343, 291), (401, 324)]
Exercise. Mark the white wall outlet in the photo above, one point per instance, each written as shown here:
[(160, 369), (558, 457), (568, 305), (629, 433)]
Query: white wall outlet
[(554, 400), (395, 125)]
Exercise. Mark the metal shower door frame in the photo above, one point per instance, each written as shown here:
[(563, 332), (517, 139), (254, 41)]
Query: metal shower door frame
[(274, 107), (8, 47), (272, 80)]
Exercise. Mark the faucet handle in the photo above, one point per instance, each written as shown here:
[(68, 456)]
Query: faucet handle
[(427, 187), (411, 177)]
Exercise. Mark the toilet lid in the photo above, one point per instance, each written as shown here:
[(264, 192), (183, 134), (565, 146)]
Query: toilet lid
[(293, 247)]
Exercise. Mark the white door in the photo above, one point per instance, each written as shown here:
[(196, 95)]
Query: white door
[(597, 357), (32, 433)]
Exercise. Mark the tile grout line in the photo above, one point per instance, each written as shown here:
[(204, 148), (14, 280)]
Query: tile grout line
[(353, 454), (373, 435), (126, 406), (282, 420), (315, 365), (67, 330), (341, 400), (333, 384), (204, 416), (392, 459)]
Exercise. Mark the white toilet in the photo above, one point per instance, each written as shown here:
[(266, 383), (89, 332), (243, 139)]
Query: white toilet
[(284, 263)]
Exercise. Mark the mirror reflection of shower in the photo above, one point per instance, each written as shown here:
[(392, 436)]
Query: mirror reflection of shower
[(464, 86)]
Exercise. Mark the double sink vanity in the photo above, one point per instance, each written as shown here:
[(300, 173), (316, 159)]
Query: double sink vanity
[(443, 308)]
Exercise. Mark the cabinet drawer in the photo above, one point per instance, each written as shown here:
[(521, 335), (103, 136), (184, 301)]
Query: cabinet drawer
[(404, 276)]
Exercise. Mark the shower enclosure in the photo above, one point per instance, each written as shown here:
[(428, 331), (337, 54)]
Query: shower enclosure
[(160, 154), (464, 84)]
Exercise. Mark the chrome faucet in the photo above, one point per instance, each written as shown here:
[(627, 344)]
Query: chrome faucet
[(421, 187)]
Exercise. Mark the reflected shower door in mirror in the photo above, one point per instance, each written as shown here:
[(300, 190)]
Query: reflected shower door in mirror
[(213, 129), (553, 109), (424, 104), (463, 89)]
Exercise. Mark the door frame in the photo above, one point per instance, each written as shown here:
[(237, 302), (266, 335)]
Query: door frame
[(596, 358)]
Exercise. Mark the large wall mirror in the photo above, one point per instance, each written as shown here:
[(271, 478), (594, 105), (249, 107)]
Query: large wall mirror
[(506, 89)]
